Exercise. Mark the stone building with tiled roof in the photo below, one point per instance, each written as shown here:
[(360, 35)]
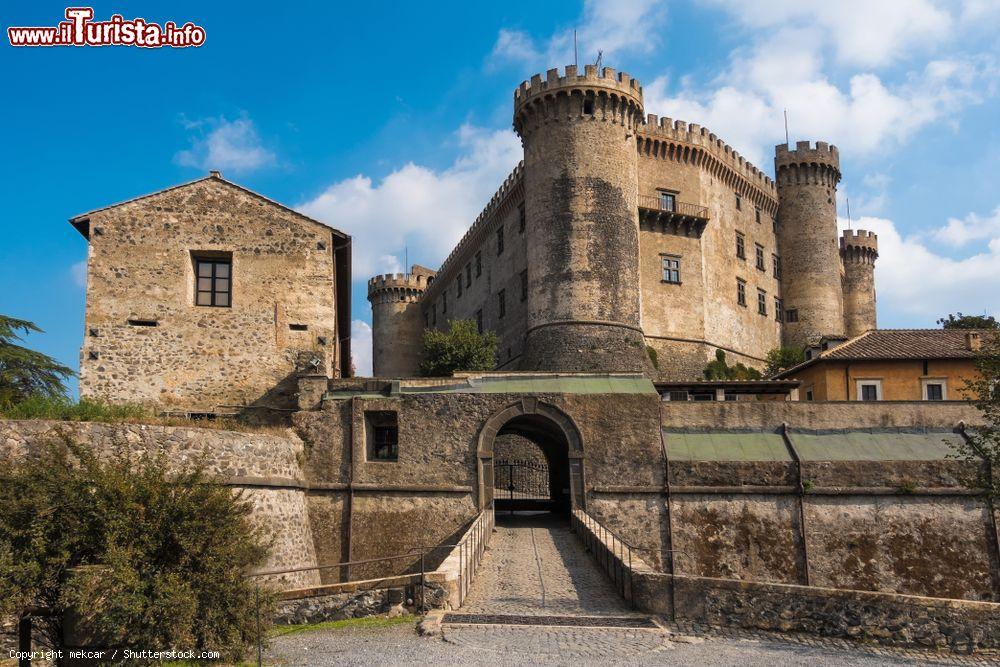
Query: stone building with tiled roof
[(892, 365)]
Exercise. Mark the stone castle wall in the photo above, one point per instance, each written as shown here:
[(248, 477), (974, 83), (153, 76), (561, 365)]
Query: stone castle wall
[(877, 525), (588, 168), (145, 339), (264, 467)]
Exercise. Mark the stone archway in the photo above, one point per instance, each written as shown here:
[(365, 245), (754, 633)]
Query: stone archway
[(554, 431)]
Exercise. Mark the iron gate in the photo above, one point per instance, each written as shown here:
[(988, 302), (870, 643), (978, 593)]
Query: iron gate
[(520, 480)]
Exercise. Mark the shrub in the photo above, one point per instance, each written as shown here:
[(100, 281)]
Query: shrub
[(168, 552), (461, 348), (782, 358), (720, 370), (63, 409)]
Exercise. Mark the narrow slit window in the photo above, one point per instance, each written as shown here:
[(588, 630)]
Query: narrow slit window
[(143, 323), (299, 327)]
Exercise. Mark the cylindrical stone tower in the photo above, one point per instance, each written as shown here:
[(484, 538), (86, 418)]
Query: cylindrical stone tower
[(397, 323), (581, 204), (807, 238), (858, 252)]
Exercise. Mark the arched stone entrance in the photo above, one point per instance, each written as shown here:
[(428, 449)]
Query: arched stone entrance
[(556, 435)]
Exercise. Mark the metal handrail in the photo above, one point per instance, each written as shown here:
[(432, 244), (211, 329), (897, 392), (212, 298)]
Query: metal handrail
[(616, 562), (679, 207)]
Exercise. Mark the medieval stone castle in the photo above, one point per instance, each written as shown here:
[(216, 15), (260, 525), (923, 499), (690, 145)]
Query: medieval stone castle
[(613, 262), (621, 231)]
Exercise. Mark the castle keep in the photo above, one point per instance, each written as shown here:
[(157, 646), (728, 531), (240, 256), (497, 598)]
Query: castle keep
[(621, 231)]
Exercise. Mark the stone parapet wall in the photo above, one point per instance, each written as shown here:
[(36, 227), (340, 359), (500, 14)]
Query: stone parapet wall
[(810, 415), (886, 618)]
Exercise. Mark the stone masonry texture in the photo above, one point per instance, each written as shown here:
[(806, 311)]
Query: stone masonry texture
[(573, 243), (146, 340)]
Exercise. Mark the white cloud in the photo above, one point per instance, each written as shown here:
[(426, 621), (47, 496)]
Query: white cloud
[(745, 104), (860, 32), (78, 271), (614, 27), (973, 227), (916, 285), (415, 207), (221, 144), (361, 348)]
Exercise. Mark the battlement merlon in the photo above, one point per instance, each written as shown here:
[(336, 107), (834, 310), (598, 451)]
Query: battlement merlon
[(416, 282), (859, 242), (668, 129), (607, 79), (805, 153)]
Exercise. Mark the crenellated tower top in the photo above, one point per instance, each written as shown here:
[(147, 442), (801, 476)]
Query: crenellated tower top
[(859, 246), (398, 287), (807, 165), (604, 95)]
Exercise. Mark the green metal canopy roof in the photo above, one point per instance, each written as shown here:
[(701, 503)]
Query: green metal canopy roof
[(750, 446), (874, 445)]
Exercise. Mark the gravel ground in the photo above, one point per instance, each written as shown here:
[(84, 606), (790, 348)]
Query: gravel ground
[(506, 645)]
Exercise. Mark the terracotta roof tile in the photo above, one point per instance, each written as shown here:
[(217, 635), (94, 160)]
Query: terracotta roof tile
[(898, 344), (905, 344)]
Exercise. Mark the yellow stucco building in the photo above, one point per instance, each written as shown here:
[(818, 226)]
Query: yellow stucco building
[(892, 365)]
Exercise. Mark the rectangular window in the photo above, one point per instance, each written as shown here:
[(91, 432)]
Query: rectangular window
[(458, 286), (774, 225), (792, 315), (935, 389), (382, 431), (479, 320), (869, 390), (671, 269), (741, 246), (809, 394), (779, 310), (500, 240), (444, 301), (522, 220), (479, 264), (760, 256), (502, 302), (776, 264), (678, 395), (434, 315), (761, 302), (741, 292), (213, 282), (524, 285), (468, 275), (668, 201), (756, 215), (739, 203), (427, 320)]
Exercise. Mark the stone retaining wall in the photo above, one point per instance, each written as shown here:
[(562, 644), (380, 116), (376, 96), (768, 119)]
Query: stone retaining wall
[(264, 466)]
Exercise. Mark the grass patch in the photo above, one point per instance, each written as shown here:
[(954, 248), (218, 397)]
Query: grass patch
[(348, 623), (84, 410)]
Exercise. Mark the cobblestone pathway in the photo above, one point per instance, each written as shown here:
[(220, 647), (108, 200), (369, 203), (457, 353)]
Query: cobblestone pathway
[(535, 566)]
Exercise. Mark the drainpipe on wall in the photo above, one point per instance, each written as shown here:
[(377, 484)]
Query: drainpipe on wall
[(670, 524), (802, 510)]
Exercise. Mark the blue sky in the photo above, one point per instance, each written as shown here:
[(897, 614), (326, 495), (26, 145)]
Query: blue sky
[(391, 121)]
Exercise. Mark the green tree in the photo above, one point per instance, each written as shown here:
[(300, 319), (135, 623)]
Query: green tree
[(461, 348), (153, 560), (25, 373), (962, 321), (719, 370), (983, 444), (782, 358)]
